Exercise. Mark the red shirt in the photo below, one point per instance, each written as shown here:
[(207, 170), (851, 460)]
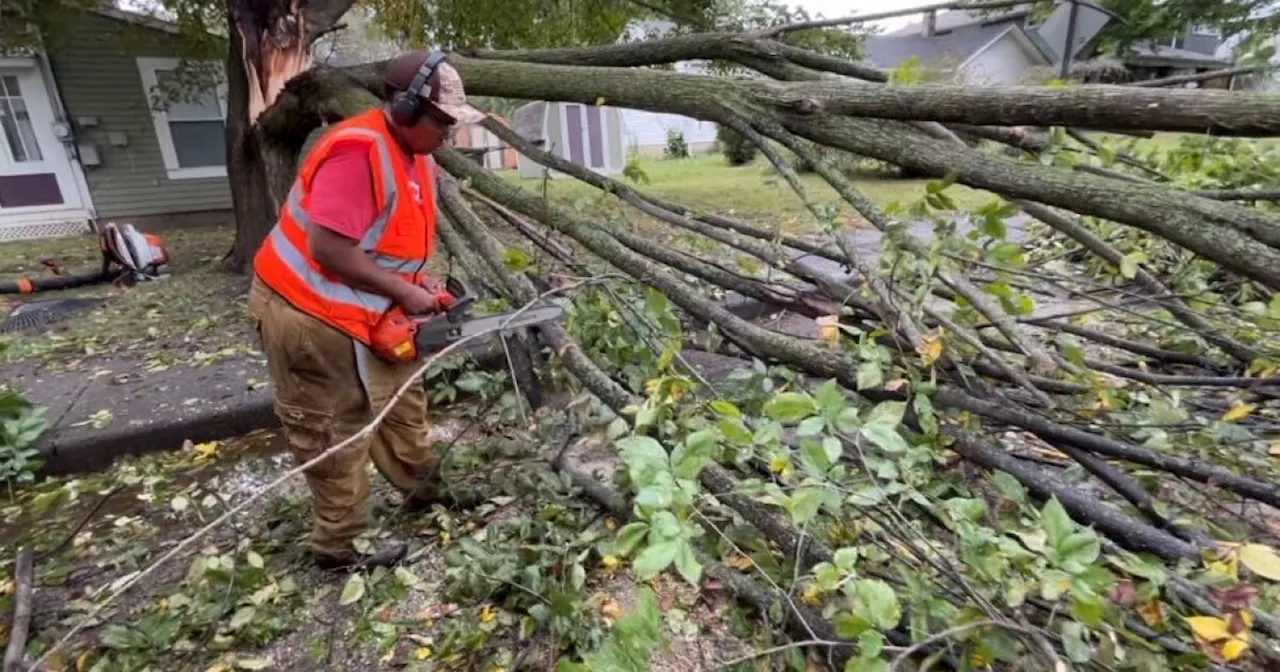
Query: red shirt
[(342, 196)]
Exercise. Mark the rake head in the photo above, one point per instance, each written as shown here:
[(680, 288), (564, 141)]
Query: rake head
[(36, 314)]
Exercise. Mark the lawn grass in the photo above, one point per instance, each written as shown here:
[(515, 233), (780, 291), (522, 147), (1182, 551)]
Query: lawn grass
[(752, 192), (196, 313)]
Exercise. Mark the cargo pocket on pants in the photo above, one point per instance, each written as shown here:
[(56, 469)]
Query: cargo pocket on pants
[(309, 433)]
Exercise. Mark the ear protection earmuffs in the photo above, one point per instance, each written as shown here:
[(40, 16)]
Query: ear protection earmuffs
[(407, 106)]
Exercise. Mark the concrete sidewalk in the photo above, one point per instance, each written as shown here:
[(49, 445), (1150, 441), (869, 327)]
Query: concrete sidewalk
[(120, 406)]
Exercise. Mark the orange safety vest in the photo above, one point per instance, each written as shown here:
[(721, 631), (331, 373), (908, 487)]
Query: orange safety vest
[(401, 240)]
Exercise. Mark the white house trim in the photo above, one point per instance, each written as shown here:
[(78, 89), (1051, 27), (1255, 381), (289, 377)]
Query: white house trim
[(1018, 36), (147, 68), (61, 115)]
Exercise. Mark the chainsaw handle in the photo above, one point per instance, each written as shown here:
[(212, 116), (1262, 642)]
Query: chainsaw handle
[(462, 299)]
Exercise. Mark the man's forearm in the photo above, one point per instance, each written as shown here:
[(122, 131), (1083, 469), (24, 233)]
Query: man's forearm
[(358, 270)]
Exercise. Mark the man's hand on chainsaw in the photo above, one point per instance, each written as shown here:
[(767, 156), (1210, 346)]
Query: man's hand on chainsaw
[(430, 297), (418, 300)]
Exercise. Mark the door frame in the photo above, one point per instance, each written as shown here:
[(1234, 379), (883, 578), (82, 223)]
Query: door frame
[(34, 77)]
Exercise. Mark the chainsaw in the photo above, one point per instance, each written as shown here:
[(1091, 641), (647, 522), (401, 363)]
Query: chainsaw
[(399, 337)]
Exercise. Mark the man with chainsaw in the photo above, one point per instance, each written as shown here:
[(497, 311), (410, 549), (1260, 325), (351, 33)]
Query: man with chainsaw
[(350, 245)]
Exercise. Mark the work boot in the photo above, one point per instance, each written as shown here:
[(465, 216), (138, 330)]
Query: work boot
[(352, 560)]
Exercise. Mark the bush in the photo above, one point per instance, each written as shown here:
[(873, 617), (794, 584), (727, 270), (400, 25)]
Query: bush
[(21, 423), (737, 150), (677, 148)]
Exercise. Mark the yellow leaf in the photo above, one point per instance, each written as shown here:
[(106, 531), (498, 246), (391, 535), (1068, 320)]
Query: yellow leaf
[(1239, 411), (83, 660), (609, 608), (1261, 560), (205, 450), (780, 465), (828, 329), (1234, 649), (1274, 450), (739, 562), (486, 614), (423, 652), (1208, 628), (931, 349), (1152, 612), (599, 100), (811, 594)]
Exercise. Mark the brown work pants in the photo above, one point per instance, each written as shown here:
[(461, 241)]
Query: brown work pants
[(322, 399)]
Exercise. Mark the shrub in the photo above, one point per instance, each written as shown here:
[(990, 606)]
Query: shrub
[(677, 148), (737, 150)]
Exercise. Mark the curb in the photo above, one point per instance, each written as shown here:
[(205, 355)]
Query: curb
[(96, 451)]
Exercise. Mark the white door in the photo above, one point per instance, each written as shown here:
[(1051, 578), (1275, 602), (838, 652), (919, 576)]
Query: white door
[(36, 177)]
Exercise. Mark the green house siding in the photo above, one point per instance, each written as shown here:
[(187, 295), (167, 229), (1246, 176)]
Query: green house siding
[(97, 75)]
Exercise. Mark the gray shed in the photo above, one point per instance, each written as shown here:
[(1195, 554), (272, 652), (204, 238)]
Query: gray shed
[(588, 135)]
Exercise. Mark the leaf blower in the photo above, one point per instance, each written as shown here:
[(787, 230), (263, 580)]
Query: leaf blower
[(128, 257)]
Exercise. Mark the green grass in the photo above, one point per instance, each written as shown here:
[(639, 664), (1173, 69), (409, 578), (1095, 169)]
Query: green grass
[(753, 192)]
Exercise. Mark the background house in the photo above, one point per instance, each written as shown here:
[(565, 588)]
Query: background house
[(1004, 47), (82, 142)]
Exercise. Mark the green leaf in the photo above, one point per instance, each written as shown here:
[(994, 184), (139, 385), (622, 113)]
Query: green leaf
[(811, 426), (628, 538), (1129, 263), (869, 375), (253, 663), (353, 590), (725, 408), (665, 525), (790, 407), (1073, 642), (1078, 550), (847, 421), (686, 563), (654, 559), (833, 449), (924, 413), (887, 414), (865, 665), (645, 458), (870, 644), (242, 617), (879, 604), (806, 502), (1057, 524), (829, 397), (886, 438), (695, 452), (846, 558), (254, 559), (735, 432), (1009, 487), (826, 575)]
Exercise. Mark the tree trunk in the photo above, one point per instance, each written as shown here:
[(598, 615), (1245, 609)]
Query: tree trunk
[(270, 45)]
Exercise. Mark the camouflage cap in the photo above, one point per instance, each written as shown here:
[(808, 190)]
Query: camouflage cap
[(451, 98), (447, 93)]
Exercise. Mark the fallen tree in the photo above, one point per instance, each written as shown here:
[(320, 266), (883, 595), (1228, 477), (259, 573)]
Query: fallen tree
[(942, 460)]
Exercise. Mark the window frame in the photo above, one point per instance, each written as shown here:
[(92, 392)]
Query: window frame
[(147, 69)]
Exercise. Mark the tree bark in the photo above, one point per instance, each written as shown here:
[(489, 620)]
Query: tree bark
[(270, 44)]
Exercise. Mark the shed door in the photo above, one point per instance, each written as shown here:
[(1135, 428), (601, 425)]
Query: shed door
[(35, 172), (584, 126)]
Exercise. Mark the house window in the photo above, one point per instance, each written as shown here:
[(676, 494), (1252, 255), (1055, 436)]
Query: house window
[(192, 132), (19, 134)]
